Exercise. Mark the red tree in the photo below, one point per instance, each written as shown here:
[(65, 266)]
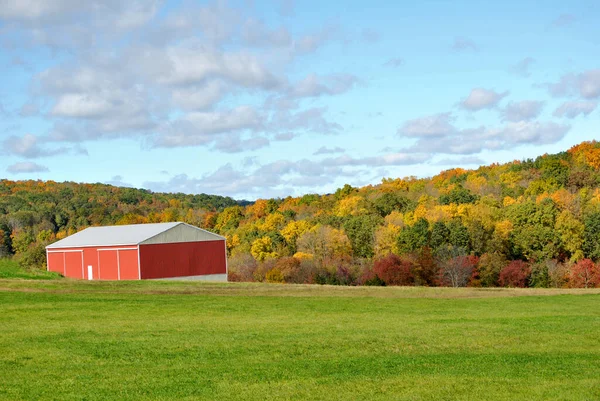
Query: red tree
[(515, 274), (393, 270), (584, 274)]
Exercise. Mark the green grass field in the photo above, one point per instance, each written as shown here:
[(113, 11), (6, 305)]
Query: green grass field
[(69, 340)]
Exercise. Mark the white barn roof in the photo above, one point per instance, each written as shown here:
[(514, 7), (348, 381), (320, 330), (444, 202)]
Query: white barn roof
[(135, 234)]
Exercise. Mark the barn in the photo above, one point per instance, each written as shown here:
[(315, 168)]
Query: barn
[(140, 251)]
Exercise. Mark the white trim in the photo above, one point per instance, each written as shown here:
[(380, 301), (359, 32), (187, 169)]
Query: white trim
[(47, 262), (116, 249), (66, 250), (87, 246), (82, 267), (99, 275), (118, 265), (226, 264), (139, 264)]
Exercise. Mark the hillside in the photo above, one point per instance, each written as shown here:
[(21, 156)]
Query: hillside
[(524, 223)]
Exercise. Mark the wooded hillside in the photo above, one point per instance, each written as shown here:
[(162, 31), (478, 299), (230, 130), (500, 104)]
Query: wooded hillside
[(524, 223)]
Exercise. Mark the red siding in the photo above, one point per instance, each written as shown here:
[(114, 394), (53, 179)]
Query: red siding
[(109, 265), (56, 262), (74, 264), (182, 259), (128, 263)]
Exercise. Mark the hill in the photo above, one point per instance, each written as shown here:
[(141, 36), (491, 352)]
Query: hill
[(524, 223)]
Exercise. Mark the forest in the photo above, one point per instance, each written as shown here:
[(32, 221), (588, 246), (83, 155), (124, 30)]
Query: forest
[(527, 223)]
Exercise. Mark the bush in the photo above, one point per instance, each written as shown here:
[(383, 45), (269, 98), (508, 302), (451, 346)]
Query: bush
[(558, 273), (584, 274), (393, 270), (457, 271), (241, 267), (274, 276), (515, 274), (490, 266)]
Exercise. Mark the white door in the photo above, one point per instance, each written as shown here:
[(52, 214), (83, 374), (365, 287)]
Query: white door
[(90, 273)]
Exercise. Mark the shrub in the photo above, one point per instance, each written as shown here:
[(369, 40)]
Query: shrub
[(558, 273), (241, 267), (288, 267), (490, 266), (515, 274), (457, 271), (584, 274), (274, 276), (393, 270)]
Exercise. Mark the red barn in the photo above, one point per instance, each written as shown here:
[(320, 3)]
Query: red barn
[(140, 251)]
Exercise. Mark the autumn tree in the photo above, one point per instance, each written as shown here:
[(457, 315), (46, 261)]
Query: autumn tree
[(584, 274), (515, 274), (393, 270)]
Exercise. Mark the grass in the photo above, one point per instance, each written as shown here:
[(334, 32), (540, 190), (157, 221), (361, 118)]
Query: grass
[(10, 269), (66, 339)]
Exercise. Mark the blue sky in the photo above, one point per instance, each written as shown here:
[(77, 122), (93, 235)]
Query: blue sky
[(258, 99)]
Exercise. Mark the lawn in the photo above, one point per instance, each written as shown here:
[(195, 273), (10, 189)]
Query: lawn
[(63, 339)]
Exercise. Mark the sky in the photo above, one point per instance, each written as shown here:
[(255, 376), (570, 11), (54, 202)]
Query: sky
[(255, 99)]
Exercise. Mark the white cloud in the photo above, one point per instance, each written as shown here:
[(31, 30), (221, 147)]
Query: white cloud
[(481, 98), (28, 146), (255, 33), (430, 126), (585, 84), (450, 140), (314, 85), (461, 161), (26, 167), (574, 108), (522, 111), (323, 150)]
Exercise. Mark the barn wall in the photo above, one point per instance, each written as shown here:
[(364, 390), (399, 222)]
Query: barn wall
[(182, 233), (108, 263), (183, 259)]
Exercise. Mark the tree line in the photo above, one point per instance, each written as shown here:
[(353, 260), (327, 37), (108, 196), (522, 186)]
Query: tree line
[(533, 222)]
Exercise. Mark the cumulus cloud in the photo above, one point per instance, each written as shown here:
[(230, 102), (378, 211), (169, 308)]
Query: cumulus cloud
[(255, 33), (314, 85), (430, 126), (585, 84), (462, 44), (481, 98), (461, 161), (323, 150), (437, 134), (281, 175), (26, 167), (29, 147), (117, 181), (522, 111), (575, 108)]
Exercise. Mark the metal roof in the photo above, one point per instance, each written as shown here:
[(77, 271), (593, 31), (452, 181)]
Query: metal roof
[(132, 234)]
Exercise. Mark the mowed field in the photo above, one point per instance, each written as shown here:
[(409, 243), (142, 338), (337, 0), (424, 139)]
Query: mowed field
[(69, 340)]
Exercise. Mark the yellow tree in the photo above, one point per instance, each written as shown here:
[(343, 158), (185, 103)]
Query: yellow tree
[(571, 233), (262, 248)]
